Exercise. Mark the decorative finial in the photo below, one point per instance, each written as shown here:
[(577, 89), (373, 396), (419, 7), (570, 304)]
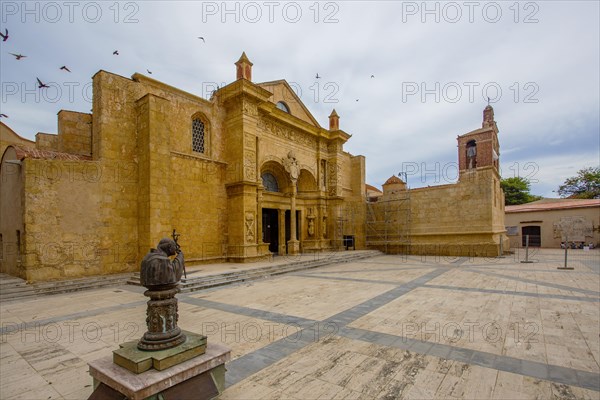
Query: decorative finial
[(244, 67), (334, 121), (488, 116)]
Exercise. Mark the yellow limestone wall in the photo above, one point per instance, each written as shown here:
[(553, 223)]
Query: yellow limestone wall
[(101, 216), (464, 219), (61, 228), (165, 185), (75, 133)]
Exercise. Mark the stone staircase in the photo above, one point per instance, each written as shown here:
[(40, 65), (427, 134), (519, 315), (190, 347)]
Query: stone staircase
[(192, 284), (12, 288)]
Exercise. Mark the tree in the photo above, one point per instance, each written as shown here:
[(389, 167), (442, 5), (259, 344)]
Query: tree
[(586, 185), (516, 191)]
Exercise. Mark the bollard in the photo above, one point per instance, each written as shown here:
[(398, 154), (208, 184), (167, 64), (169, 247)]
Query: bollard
[(566, 249), (526, 250)]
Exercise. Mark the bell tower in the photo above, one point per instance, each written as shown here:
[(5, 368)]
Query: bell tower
[(480, 148), (243, 68)]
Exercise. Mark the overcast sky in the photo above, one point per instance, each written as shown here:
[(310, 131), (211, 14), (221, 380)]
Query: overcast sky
[(433, 64)]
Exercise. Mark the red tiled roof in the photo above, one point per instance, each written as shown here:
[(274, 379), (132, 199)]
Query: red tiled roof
[(31, 152), (393, 179), (553, 204)]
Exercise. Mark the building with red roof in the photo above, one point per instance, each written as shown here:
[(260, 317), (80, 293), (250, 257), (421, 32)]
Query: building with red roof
[(546, 222)]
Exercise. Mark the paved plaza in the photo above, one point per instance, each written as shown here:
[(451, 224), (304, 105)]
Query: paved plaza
[(386, 327)]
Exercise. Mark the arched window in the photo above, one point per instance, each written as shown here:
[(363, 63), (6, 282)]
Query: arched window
[(198, 139), (270, 182), (283, 107)]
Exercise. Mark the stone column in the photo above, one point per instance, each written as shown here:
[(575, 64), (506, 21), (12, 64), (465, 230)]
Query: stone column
[(259, 216), (259, 194), (293, 216), (293, 244), (291, 166), (281, 232)]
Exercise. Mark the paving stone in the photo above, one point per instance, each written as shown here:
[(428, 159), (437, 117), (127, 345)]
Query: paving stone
[(351, 333), (507, 364), (483, 359), (588, 380), (420, 347), (534, 369), (439, 350), (563, 375), (346, 331), (461, 355)]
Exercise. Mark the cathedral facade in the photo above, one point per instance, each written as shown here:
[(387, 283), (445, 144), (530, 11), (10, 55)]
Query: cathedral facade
[(242, 176)]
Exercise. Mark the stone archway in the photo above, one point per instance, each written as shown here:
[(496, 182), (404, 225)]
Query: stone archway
[(307, 182), (275, 182), (273, 171)]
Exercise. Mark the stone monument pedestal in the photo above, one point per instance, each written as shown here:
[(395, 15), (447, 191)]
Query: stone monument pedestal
[(129, 356), (167, 363), (200, 377)]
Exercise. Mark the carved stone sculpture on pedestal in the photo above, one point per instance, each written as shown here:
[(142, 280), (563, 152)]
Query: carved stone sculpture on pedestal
[(161, 275), (166, 362)]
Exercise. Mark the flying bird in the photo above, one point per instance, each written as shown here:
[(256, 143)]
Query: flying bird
[(18, 56), (65, 68), (5, 36), (201, 38), (317, 76), (150, 72), (372, 76), (116, 53), (357, 99), (41, 84), (3, 115)]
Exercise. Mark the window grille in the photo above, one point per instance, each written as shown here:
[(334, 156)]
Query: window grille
[(198, 136)]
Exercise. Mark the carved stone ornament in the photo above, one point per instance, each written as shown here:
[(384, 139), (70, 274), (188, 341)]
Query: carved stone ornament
[(161, 275), (297, 137), (311, 223), (291, 166), (249, 227)]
